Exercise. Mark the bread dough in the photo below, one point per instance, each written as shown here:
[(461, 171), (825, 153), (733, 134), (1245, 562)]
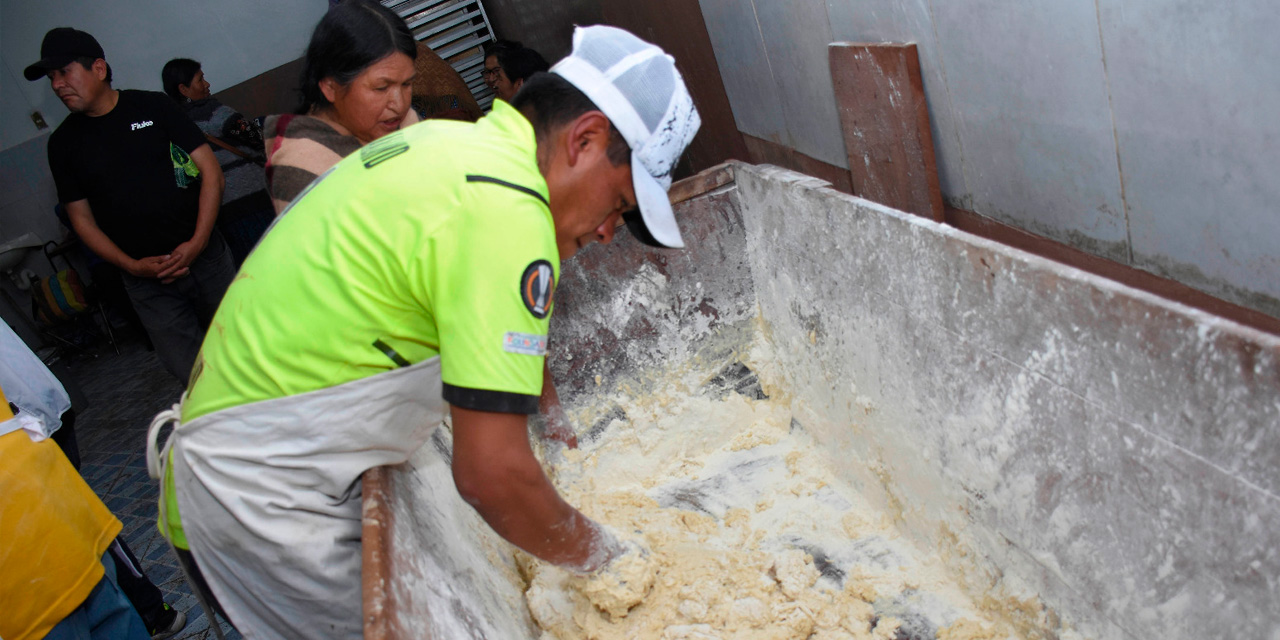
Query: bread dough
[(701, 594), (620, 586), (967, 629), (728, 502)]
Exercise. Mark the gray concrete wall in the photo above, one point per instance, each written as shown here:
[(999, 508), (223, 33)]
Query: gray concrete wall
[(772, 56), (27, 197), (1077, 450), (1136, 131), (542, 25)]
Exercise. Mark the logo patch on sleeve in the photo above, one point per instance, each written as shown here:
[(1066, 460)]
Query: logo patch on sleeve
[(524, 343), (537, 286)]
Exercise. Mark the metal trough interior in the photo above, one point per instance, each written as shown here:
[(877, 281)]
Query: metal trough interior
[(1088, 460)]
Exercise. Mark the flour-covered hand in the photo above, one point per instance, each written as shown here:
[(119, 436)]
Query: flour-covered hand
[(623, 581)]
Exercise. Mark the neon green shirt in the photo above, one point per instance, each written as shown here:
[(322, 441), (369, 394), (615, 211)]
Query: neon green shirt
[(436, 240)]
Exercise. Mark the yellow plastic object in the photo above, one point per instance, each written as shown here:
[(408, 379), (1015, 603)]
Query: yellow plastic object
[(5, 412)]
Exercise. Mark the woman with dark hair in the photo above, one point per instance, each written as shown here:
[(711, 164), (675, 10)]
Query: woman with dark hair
[(357, 79), (508, 64), (237, 144)]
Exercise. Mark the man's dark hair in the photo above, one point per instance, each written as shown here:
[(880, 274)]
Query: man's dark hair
[(520, 63), (550, 102), (178, 71), (492, 48), (349, 38), (87, 63)]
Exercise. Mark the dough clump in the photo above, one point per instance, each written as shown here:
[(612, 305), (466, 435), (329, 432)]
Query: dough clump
[(621, 584)]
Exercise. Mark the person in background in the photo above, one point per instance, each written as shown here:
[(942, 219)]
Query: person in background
[(58, 535), (357, 78), (439, 92), (142, 189), (508, 64), (237, 144)]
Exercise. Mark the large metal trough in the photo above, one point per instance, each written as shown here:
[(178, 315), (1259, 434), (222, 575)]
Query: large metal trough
[(1085, 455)]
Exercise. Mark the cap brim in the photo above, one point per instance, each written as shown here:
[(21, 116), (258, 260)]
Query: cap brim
[(42, 68), (655, 207)]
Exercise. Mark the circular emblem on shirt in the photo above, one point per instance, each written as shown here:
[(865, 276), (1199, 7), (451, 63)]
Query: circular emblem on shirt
[(537, 286)]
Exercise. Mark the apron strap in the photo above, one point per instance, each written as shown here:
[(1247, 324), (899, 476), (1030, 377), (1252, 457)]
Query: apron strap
[(157, 459), (156, 462)]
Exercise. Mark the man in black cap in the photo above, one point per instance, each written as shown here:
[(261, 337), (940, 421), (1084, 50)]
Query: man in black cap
[(142, 188)]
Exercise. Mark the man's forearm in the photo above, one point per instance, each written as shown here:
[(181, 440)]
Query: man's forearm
[(210, 202), (532, 516), (86, 227), (212, 182), (496, 473)]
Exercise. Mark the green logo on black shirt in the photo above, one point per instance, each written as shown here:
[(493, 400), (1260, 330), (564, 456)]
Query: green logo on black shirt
[(185, 170)]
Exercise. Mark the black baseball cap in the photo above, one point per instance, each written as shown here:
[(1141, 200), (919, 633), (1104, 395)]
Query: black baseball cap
[(61, 46)]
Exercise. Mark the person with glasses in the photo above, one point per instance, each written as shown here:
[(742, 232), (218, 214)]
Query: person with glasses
[(508, 64)]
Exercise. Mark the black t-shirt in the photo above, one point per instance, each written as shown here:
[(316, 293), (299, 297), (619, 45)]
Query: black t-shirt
[(123, 164)]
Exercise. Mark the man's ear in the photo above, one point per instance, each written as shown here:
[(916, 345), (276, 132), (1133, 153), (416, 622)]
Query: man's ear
[(100, 68), (587, 134), (329, 87)]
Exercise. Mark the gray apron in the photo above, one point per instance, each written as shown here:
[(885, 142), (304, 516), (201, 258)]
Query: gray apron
[(269, 494)]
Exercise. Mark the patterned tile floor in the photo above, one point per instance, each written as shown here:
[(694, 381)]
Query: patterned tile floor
[(124, 392)]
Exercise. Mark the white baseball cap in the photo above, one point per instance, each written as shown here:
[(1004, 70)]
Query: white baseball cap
[(636, 85)]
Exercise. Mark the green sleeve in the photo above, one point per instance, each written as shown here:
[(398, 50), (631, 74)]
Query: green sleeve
[(493, 281)]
